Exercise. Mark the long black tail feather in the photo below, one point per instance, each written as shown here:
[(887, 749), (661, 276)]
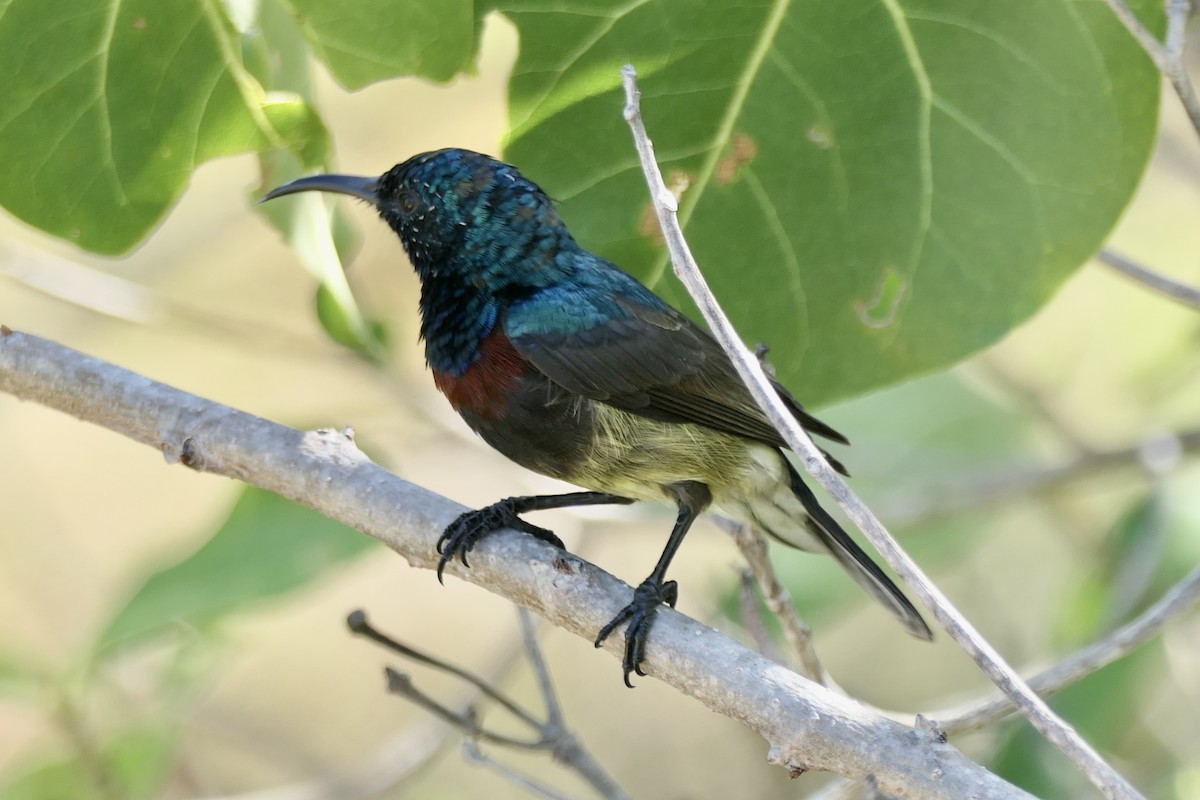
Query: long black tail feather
[(855, 561)]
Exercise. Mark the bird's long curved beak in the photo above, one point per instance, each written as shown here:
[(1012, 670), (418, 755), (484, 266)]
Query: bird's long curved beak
[(353, 185)]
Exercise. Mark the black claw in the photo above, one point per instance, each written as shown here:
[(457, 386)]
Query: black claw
[(461, 536), (624, 614), (640, 613), (442, 566)]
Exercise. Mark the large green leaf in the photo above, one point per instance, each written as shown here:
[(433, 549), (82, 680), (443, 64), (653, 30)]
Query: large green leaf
[(369, 40), (278, 55), (107, 107), (268, 546), (874, 187)]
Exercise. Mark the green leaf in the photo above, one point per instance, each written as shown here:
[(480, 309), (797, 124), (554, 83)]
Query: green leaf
[(322, 237), (135, 763), (370, 40), (140, 760), (107, 107), (1134, 555), (321, 234), (877, 189), (20, 679), (340, 328), (55, 780), (275, 50), (267, 547), (1150, 547)]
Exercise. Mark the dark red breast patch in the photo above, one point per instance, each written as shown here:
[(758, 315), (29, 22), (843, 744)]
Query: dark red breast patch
[(483, 389)]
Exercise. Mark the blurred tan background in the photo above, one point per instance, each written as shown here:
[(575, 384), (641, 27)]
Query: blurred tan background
[(227, 314)]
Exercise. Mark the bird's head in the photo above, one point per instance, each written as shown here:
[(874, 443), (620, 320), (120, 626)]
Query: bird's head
[(462, 216)]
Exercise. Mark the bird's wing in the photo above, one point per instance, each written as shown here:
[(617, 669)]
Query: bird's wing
[(612, 340)]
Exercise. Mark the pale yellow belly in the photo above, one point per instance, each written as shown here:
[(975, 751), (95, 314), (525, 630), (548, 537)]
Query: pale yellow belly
[(634, 456)]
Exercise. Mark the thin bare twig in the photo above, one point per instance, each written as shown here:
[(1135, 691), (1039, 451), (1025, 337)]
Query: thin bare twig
[(913, 508), (358, 624), (1145, 38), (533, 651), (779, 601), (1178, 600), (398, 683), (1049, 724), (398, 760), (1176, 70), (472, 753), (752, 617), (550, 736), (1031, 401), (1179, 292), (1168, 57), (564, 745)]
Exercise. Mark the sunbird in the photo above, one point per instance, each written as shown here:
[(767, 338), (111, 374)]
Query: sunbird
[(571, 367)]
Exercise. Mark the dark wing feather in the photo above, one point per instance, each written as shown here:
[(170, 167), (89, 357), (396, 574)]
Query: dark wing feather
[(618, 343)]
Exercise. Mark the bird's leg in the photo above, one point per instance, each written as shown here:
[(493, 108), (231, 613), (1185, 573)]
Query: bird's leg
[(462, 534), (692, 498)]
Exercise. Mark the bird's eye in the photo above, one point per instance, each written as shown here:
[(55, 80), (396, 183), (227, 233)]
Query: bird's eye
[(408, 201)]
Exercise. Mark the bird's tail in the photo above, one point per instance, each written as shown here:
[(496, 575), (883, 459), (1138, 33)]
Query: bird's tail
[(821, 532)]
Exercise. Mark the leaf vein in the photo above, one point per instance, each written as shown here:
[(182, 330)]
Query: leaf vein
[(924, 143), (770, 215), (724, 132), (106, 127), (604, 26)]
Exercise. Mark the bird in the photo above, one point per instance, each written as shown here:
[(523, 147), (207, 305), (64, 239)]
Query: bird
[(569, 366)]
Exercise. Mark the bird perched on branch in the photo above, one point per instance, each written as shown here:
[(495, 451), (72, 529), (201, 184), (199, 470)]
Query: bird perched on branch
[(572, 368)]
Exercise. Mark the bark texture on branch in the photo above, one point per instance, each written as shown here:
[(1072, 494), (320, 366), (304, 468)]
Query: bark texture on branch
[(806, 726)]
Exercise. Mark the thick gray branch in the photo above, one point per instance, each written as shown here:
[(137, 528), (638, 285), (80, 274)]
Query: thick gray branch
[(807, 726)]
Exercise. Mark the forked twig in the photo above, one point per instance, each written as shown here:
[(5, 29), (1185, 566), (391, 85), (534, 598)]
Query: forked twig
[(779, 601), (549, 736)]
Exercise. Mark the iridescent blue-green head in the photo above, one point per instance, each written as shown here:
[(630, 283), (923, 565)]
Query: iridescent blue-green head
[(463, 216)]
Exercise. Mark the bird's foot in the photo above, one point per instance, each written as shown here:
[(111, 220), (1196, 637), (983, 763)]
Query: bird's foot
[(640, 613), (462, 535)]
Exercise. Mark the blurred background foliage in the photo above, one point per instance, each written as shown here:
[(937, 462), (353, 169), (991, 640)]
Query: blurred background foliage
[(168, 634)]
